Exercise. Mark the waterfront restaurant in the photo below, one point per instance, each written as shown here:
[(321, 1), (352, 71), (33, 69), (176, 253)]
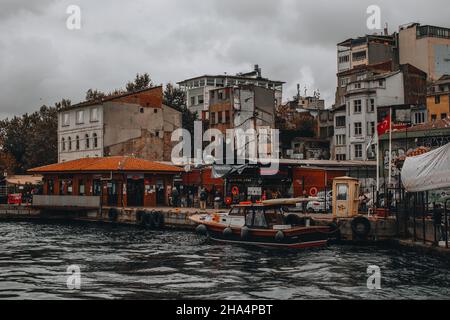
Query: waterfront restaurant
[(116, 181)]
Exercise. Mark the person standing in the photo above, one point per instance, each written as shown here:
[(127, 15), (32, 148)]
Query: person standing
[(203, 198), (175, 197)]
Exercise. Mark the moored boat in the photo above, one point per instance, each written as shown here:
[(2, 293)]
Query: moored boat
[(263, 224)]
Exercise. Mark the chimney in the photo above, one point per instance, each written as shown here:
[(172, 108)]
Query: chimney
[(386, 29), (258, 70)]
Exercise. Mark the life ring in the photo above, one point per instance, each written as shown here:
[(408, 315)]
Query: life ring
[(313, 192), (113, 214), (361, 227), (235, 191), (147, 220), (158, 219)]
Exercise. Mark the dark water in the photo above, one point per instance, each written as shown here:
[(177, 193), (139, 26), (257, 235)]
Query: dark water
[(118, 262)]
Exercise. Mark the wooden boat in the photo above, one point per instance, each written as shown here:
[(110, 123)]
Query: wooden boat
[(263, 224)]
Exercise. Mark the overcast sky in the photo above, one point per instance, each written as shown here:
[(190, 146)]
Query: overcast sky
[(41, 61)]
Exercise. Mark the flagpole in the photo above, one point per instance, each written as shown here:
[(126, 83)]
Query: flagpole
[(390, 146), (378, 163)]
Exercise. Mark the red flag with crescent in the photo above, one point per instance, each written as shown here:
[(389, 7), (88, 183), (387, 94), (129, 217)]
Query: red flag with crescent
[(384, 126)]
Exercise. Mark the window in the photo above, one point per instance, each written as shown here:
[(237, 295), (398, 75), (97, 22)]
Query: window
[(66, 119), (372, 152), (358, 151), (340, 121), (210, 82), (80, 117), (63, 144), (381, 83), (342, 192), (344, 59), (95, 140), (220, 95), (94, 114), (341, 157), (443, 115), (340, 140), (371, 105), (358, 56), (227, 116), (70, 143), (192, 101), (357, 106), (259, 221), (437, 99), (155, 110), (77, 143), (419, 117), (220, 117), (81, 188), (433, 117), (358, 85), (371, 128), (343, 82), (358, 128), (213, 118), (50, 187), (141, 109), (201, 99), (86, 141)]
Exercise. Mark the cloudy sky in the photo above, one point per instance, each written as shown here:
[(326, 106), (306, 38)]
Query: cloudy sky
[(41, 61)]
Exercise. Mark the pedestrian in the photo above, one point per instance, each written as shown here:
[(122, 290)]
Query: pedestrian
[(203, 198), (175, 197), (217, 200)]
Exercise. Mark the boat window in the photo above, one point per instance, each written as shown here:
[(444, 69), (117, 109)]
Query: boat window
[(249, 218), (273, 217), (259, 220), (237, 211), (342, 190)]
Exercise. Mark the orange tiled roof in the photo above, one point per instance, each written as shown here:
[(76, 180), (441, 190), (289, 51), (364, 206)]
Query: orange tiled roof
[(107, 164)]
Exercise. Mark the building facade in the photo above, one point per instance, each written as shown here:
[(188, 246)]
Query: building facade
[(137, 124), (425, 47), (438, 99), (368, 101), (198, 88)]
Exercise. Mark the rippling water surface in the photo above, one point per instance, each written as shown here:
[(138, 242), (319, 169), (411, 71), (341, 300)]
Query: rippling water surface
[(129, 263)]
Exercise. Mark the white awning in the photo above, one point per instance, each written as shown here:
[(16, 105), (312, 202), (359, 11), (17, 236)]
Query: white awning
[(429, 171)]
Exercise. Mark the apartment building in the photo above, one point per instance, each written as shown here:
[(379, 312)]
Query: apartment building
[(438, 99), (132, 124), (425, 47), (198, 88)]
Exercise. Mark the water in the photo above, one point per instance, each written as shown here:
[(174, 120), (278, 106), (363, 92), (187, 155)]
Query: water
[(130, 263)]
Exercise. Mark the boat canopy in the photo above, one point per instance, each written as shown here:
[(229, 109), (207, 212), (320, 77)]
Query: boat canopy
[(429, 171)]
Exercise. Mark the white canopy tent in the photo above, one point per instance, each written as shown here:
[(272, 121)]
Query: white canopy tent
[(429, 171)]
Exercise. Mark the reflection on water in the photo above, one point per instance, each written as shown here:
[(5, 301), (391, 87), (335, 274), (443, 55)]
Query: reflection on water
[(120, 262)]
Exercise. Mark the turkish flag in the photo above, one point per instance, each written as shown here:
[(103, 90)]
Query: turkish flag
[(384, 126)]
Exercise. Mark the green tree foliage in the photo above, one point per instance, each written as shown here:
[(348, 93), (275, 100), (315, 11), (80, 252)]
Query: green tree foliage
[(176, 98), (93, 95), (31, 140), (141, 81)]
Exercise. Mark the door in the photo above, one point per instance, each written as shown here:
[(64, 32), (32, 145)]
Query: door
[(135, 193), (342, 199), (160, 193), (113, 193)]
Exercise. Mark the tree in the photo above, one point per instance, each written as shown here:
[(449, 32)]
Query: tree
[(141, 82), (176, 98), (93, 95)]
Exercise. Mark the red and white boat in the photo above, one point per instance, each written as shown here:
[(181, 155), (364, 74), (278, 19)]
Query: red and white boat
[(263, 224)]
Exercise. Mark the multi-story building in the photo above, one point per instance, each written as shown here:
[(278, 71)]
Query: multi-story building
[(368, 100), (339, 145), (198, 88), (356, 53), (136, 124), (438, 99), (425, 47)]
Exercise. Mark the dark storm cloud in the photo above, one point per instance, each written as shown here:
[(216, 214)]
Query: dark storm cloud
[(294, 41)]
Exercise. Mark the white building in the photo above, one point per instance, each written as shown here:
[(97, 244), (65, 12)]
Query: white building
[(133, 124), (198, 88)]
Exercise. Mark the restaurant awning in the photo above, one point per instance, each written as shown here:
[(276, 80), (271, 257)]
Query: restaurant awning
[(429, 171)]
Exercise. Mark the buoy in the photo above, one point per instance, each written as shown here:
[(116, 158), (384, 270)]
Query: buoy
[(201, 229), (245, 233), (279, 236), (313, 192), (227, 232), (235, 191)]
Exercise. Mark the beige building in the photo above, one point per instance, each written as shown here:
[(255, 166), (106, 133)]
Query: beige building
[(133, 124), (427, 48)]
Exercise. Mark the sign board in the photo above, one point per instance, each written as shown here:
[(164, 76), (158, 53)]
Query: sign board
[(254, 191)]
